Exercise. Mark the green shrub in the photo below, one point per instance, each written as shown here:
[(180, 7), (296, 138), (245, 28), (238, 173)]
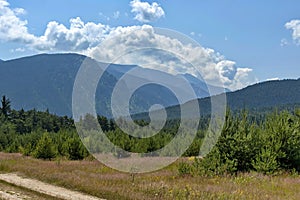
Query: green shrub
[(45, 148), (266, 162)]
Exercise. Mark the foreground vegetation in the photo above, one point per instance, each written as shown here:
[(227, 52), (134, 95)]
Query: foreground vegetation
[(93, 178), (256, 157), (248, 143)]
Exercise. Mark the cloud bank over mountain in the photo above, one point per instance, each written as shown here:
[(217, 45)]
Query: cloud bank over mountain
[(84, 37)]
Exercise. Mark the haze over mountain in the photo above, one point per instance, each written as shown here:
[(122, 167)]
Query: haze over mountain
[(46, 82)]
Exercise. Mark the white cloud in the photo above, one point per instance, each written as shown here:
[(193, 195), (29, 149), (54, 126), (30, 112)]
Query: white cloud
[(144, 12), (19, 11), (242, 78), (57, 37), (227, 70), (3, 3), (126, 45), (78, 37), (84, 38), (294, 25), (12, 28)]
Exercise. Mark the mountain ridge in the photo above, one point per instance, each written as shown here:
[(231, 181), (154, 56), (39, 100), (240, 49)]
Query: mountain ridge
[(45, 81), (259, 96)]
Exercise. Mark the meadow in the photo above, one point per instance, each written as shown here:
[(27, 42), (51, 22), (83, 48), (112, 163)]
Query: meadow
[(91, 177)]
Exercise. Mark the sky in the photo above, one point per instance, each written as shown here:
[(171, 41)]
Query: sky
[(243, 41)]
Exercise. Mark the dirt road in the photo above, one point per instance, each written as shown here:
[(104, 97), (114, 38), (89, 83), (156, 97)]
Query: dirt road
[(35, 186), (11, 192)]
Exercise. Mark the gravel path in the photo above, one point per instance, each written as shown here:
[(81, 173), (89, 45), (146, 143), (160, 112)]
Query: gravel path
[(40, 187)]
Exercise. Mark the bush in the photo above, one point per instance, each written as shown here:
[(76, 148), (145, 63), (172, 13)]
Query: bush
[(74, 149), (266, 162), (268, 147), (45, 148)]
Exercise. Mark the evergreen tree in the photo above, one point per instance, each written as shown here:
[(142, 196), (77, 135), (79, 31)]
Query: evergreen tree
[(45, 148), (5, 106)]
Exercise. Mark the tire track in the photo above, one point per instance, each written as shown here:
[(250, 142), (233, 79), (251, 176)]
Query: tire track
[(41, 187)]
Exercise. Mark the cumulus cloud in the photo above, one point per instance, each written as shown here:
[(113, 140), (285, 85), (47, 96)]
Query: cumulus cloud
[(163, 52), (57, 37), (12, 28), (227, 70), (145, 12), (242, 78), (78, 37), (294, 25), (144, 46)]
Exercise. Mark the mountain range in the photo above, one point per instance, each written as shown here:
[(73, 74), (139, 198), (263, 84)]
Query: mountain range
[(46, 81), (260, 97)]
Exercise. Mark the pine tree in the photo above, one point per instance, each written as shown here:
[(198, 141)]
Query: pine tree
[(5, 106), (45, 148)]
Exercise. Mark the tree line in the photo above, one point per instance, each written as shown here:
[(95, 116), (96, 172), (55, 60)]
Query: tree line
[(39, 134), (270, 146), (267, 143)]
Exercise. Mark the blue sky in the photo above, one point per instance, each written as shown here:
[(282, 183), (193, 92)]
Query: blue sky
[(254, 34)]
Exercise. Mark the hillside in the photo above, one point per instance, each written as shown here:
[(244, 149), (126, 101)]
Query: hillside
[(266, 94), (258, 97), (46, 82), (41, 82)]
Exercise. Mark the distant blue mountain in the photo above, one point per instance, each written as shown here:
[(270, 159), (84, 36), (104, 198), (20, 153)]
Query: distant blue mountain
[(201, 89), (46, 81), (259, 98)]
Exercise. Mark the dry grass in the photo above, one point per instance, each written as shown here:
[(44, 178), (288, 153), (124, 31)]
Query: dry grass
[(93, 178)]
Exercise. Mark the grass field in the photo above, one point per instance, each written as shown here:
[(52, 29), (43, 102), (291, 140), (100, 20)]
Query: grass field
[(93, 178)]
